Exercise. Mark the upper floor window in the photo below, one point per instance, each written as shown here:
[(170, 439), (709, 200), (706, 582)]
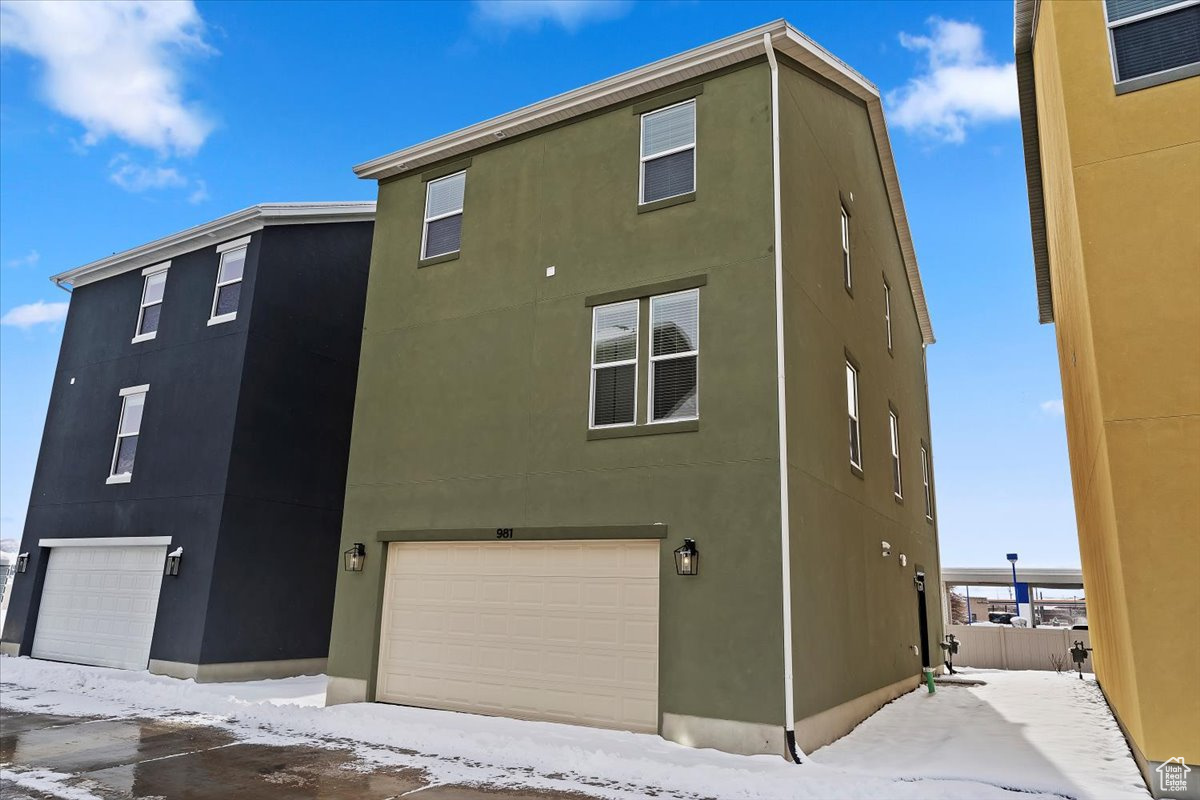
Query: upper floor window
[(443, 215), (614, 364), (154, 281), (668, 158), (887, 312), (133, 400), (229, 281), (1153, 41), (925, 482), (846, 247), (894, 428), (852, 409), (674, 355)]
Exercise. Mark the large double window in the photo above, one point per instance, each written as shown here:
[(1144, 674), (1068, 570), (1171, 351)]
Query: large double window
[(1153, 41), (673, 367), (668, 152), (442, 234), (129, 427)]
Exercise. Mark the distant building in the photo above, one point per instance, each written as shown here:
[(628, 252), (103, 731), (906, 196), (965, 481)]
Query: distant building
[(1110, 112)]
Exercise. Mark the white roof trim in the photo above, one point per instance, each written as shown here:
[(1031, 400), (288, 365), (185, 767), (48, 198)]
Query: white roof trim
[(230, 226), (660, 75), (109, 541)]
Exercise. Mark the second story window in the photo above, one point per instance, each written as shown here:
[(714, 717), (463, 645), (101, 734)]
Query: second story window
[(443, 215), (925, 483), (846, 248), (614, 364), (1153, 41), (894, 428), (150, 310), (887, 313), (228, 293), (668, 157), (129, 426), (674, 355), (852, 409)]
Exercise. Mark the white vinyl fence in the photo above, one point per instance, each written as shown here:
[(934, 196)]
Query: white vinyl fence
[(1005, 647)]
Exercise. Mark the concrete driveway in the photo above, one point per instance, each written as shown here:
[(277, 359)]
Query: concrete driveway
[(144, 758)]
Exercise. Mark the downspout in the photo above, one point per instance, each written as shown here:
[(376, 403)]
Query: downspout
[(785, 549)]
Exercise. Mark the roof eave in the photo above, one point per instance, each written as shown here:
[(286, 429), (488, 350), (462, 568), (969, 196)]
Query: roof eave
[(231, 226)]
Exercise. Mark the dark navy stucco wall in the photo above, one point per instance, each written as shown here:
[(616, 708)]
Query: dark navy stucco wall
[(222, 465)]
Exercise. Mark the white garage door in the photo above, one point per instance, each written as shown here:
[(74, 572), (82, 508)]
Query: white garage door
[(565, 631), (98, 605)]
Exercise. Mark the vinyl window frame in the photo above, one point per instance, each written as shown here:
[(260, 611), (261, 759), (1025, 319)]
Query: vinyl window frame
[(125, 394), (926, 481), (887, 312), (643, 159), (653, 359), (1153, 78), (595, 367), (224, 250), (426, 219), (897, 464), (854, 415), (847, 273), (147, 274)]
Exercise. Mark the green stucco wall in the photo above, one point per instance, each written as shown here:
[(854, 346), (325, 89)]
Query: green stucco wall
[(472, 401), (854, 611)]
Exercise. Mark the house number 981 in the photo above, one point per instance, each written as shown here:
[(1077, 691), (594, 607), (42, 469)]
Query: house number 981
[(504, 533)]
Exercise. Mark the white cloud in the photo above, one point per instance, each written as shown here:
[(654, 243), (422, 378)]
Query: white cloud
[(531, 14), (960, 85), (200, 193), (134, 177), (116, 67), (38, 313), (1052, 408), (30, 259)]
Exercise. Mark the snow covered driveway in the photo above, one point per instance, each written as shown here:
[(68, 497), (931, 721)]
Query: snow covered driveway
[(1023, 734)]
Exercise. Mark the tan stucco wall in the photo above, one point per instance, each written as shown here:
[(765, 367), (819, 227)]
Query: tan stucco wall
[(1122, 193)]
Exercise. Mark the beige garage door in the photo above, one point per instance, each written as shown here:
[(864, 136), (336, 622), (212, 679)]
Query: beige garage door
[(565, 631)]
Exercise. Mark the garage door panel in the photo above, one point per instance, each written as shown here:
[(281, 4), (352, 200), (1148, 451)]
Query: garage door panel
[(99, 605), (561, 631)]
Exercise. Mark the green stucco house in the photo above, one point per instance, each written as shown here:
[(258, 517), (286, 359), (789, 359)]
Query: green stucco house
[(667, 323)]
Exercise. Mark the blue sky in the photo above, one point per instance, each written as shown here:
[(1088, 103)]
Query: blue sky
[(158, 117)]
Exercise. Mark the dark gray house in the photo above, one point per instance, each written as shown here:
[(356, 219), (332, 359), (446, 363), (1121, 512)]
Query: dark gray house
[(187, 502)]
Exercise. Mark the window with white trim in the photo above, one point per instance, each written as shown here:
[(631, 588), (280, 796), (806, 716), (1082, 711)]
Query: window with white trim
[(668, 154), (894, 428), (442, 234), (228, 292), (852, 410), (846, 248), (1153, 41), (129, 426), (887, 312), (150, 309), (614, 364), (925, 483), (674, 356)]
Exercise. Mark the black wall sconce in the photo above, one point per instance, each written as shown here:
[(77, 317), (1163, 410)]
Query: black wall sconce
[(173, 559), (687, 558), (354, 557), (22, 562)]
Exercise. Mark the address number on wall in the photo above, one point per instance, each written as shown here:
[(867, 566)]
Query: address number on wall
[(504, 533)]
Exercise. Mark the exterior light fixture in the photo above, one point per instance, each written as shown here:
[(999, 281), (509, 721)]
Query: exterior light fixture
[(22, 562), (173, 559), (354, 557), (885, 548), (687, 558)]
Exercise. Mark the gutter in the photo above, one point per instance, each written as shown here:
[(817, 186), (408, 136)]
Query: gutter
[(785, 550)]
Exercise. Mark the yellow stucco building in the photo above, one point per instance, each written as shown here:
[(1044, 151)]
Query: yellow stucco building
[(1110, 112)]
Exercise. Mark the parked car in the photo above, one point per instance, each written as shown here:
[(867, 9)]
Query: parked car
[(1000, 617)]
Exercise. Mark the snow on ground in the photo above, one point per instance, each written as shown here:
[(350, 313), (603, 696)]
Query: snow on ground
[(1038, 734)]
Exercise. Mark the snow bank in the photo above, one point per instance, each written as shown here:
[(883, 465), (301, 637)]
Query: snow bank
[(919, 747)]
